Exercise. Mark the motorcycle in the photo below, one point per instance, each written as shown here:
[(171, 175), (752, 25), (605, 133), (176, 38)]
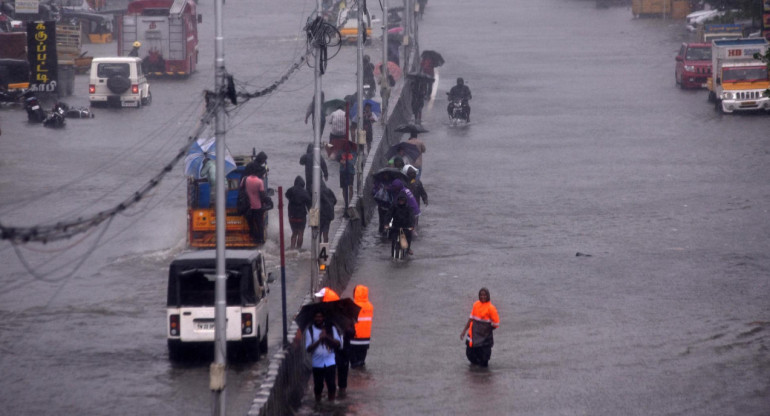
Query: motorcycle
[(11, 97), (35, 113), (71, 112), (55, 118), (399, 247), (457, 111), (368, 90)]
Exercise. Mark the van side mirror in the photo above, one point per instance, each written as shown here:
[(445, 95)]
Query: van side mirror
[(270, 278), (200, 18)]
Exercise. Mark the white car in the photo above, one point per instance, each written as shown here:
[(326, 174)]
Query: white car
[(118, 81), (190, 304)]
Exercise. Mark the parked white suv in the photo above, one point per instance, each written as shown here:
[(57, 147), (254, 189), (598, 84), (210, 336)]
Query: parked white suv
[(191, 295), (118, 81)]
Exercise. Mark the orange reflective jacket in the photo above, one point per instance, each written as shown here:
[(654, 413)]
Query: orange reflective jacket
[(484, 319), (365, 315)]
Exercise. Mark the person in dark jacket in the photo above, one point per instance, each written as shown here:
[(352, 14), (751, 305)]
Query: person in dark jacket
[(401, 217), (415, 186), (463, 93), (328, 200), (307, 161), (300, 202)]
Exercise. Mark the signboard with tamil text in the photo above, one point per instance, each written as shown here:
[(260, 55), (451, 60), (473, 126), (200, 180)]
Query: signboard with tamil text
[(41, 51)]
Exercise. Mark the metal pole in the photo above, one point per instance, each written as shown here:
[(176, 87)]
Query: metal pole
[(315, 209), (283, 268), (218, 370), (384, 85), (360, 139)]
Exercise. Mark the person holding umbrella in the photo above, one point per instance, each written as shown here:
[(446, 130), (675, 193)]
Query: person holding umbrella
[(321, 340)]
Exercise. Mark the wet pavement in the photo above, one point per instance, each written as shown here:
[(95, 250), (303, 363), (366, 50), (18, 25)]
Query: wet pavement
[(580, 143)]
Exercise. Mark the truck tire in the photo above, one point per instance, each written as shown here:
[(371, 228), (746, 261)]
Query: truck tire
[(118, 84), (712, 96), (718, 106)]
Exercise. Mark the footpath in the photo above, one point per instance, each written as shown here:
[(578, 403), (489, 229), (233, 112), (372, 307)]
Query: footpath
[(289, 369)]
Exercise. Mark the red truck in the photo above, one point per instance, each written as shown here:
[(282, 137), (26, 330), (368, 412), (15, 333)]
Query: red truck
[(693, 65), (167, 35)]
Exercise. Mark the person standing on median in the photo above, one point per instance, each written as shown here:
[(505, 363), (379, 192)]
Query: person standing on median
[(478, 330)]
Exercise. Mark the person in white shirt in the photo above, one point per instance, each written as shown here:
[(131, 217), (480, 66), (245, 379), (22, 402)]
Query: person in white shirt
[(321, 340)]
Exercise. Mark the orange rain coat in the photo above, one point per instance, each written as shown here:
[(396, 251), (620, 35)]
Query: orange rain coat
[(484, 318), (327, 295), (365, 315)]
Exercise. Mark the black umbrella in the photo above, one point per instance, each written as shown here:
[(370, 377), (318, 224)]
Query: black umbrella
[(419, 76), (342, 313), (387, 175), (434, 56), (411, 151), (411, 128)]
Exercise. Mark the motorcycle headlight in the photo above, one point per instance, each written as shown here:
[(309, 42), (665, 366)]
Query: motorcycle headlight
[(689, 68)]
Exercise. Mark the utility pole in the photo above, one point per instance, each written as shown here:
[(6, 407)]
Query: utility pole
[(218, 369), (384, 85), (315, 211), (360, 139)]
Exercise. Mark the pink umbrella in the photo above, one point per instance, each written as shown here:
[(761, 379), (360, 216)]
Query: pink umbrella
[(393, 69), (396, 30)]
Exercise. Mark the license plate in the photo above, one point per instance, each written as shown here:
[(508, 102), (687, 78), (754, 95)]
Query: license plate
[(129, 103), (205, 326), (749, 104), (35, 107)]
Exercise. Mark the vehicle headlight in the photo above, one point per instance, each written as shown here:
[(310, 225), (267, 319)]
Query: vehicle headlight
[(689, 68), (728, 95)]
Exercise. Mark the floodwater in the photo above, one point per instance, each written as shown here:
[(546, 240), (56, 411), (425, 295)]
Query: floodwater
[(580, 143)]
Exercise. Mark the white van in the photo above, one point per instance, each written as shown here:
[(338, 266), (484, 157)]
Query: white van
[(118, 81), (191, 295)]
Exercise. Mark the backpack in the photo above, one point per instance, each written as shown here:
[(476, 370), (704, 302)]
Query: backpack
[(244, 203)]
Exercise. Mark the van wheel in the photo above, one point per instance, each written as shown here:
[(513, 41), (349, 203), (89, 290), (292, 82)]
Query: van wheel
[(712, 97), (718, 106), (147, 100), (174, 350), (118, 84), (251, 346), (263, 342)]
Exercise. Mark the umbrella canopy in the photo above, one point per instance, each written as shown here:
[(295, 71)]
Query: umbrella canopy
[(331, 106), (342, 313), (433, 56), (376, 108), (421, 77), (199, 151), (387, 175), (410, 150), (393, 69), (411, 128)]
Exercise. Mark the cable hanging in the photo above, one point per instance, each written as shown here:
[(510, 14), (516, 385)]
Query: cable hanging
[(66, 229)]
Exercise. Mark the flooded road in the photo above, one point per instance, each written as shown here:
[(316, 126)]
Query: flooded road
[(580, 143)]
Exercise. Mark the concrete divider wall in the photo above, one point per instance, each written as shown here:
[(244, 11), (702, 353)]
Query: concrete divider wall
[(289, 369)]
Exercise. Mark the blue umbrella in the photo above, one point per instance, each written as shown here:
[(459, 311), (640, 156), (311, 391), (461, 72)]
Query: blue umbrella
[(199, 151), (376, 109)]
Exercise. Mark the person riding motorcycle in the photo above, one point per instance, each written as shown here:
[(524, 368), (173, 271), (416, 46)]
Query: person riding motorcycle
[(401, 218), (460, 92)]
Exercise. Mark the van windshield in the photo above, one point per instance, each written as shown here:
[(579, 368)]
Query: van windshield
[(744, 74), (698, 54), (196, 287), (107, 70)]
